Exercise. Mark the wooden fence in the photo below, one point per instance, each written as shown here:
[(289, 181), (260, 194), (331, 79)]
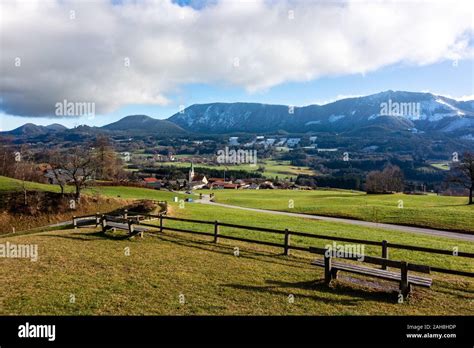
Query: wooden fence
[(286, 245)]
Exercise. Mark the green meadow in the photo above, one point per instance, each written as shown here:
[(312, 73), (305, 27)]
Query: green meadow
[(84, 272), (271, 168), (439, 212), (174, 273)]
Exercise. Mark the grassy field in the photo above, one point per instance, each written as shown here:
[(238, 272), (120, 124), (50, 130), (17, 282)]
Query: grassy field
[(95, 271), (441, 212), (10, 222), (9, 184), (83, 273), (442, 166), (241, 217), (126, 192), (273, 168)]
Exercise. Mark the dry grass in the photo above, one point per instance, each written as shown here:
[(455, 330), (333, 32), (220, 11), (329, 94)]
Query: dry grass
[(89, 205), (95, 269)]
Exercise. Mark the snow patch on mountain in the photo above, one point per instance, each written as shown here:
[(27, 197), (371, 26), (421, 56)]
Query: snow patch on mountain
[(459, 123), (334, 118)]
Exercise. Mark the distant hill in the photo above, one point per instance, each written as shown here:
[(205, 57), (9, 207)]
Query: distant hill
[(30, 129), (374, 114), (145, 124), (56, 127)]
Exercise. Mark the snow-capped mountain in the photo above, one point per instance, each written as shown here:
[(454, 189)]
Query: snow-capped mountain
[(390, 110), (376, 114)]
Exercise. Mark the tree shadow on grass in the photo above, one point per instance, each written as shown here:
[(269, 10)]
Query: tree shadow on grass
[(448, 288), (275, 290), (229, 250), (91, 236), (320, 288), (222, 249)]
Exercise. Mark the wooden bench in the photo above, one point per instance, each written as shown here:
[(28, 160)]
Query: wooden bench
[(113, 222), (405, 280)]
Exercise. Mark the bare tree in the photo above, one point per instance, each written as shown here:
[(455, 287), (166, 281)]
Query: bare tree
[(462, 173), (24, 170), (109, 165), (7, 161), (394, 178), (391, 179), (374, 182), (80, 168), (56, 162)]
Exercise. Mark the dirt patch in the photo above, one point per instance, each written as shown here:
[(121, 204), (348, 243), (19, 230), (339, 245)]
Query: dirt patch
[(38, 208)]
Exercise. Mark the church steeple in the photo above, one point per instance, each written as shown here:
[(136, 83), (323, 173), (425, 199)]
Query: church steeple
[(191, 172)]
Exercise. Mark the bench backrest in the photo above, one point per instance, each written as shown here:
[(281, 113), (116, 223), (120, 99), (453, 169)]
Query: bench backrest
[(115, 219), (374, 260)]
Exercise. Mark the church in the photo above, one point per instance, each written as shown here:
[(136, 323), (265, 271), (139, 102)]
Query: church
[(196, 181)]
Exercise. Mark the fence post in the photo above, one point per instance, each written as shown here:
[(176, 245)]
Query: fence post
[(161, 223), (216, 231), (327, 269), (287, 243), (74, 221), (104, 223), (97, 219), (130, 226), (384, 252), (404, 285), (125, 214)]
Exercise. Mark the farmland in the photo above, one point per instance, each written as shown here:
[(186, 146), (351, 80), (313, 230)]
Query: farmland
[(162, 268), (271, 168), (209, 279), (439, 212)]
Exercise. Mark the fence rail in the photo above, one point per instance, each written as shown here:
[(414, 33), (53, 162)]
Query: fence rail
[(286, 245)]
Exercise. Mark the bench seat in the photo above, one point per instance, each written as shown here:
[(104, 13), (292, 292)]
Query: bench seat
[(378, 273), (125, 226)]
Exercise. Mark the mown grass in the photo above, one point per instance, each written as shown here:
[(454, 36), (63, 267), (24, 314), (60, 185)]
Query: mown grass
[(241, 217), (440, 212), (83, 272), (95, 270), (127, 192)]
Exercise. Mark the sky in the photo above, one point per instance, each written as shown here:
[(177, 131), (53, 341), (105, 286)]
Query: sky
[(155, 56)]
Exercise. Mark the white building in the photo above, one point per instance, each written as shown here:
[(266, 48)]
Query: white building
[(292, 142), (234, 141)]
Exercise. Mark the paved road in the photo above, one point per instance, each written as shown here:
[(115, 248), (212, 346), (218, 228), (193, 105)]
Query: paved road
[(400, 228)]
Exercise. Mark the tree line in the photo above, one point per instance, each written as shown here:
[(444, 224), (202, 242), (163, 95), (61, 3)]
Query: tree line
[(77, 166)]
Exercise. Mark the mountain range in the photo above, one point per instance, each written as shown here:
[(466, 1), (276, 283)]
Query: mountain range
[(389, 111)]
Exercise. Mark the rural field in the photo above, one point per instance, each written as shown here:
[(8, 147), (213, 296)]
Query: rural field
[(271, 168), (104, 281), (162, 269), (439, 212)]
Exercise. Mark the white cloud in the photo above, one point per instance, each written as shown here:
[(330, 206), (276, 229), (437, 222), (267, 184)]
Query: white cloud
[(82, 59)]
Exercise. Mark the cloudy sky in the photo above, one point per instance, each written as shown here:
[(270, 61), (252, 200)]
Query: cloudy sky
[(152, 56)]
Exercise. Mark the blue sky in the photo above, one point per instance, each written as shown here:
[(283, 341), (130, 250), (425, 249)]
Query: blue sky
[(183, 52)]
